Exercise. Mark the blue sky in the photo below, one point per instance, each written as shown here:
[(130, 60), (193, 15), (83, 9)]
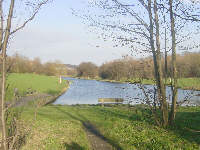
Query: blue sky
[(56, 34)]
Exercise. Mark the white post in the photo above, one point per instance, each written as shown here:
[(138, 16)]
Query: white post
[(60, 80)]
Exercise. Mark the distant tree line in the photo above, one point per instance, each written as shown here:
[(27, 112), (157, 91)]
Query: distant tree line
[(119, 69), (87, 69), (21, 64), (188, 65)]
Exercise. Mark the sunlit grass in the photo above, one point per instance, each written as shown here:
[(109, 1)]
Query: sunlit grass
[(122, 127), (189, 83), (37, 83), (61, 127), (54, 130)]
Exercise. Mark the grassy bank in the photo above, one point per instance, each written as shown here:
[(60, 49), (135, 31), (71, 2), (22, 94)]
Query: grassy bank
[(189, 83), (36, 83), (183, 83), (61, 128), (44, 89)]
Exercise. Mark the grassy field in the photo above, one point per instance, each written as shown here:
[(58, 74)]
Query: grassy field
[(61, 128), (37, 83)]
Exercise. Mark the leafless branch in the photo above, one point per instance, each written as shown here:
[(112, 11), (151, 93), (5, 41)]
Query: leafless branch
[(31, 18), (132, 13)]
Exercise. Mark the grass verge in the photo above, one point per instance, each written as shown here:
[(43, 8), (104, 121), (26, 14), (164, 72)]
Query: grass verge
[(61, 128)]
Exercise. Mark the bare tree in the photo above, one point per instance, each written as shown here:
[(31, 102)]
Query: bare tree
[(185, 13), (160, 83), (174, 72), (138, 26), (141, 34), (7, 19)]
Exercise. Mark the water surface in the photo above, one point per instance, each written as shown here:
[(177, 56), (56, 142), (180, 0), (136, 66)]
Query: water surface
[(88, 91)]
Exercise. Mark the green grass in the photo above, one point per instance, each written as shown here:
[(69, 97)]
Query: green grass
[(53, 130), (183, 83), (135, 80), (189, 83), (60, 128), (38, 83), (144, 81)]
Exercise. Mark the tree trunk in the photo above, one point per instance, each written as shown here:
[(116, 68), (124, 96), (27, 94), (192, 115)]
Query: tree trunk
[(152, 43), (1, 39), (174, 69), (160, 74), (3, 123), (4, 71), (166, 69)]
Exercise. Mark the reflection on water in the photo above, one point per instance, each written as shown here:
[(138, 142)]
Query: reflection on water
[(88, 91)]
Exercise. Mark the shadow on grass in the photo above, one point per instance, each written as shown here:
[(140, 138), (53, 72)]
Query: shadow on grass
[(52, 92), (91, 128), (185, 122), (137, 114), (73, 146), (187, 125)]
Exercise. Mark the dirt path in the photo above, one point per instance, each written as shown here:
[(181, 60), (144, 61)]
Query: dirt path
[(22, 101), (97, 141)]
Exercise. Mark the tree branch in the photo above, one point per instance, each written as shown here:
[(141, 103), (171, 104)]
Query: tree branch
[(31, 18), (138, 18), (1, 24)]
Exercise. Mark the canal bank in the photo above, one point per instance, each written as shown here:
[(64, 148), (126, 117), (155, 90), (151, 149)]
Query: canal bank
[(63, 127)]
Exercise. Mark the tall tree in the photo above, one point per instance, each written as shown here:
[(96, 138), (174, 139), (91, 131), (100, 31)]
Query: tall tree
[(5, 34), (161, 86), (174, 71)]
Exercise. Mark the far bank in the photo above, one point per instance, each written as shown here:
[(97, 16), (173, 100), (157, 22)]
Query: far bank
[(183, 83)]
